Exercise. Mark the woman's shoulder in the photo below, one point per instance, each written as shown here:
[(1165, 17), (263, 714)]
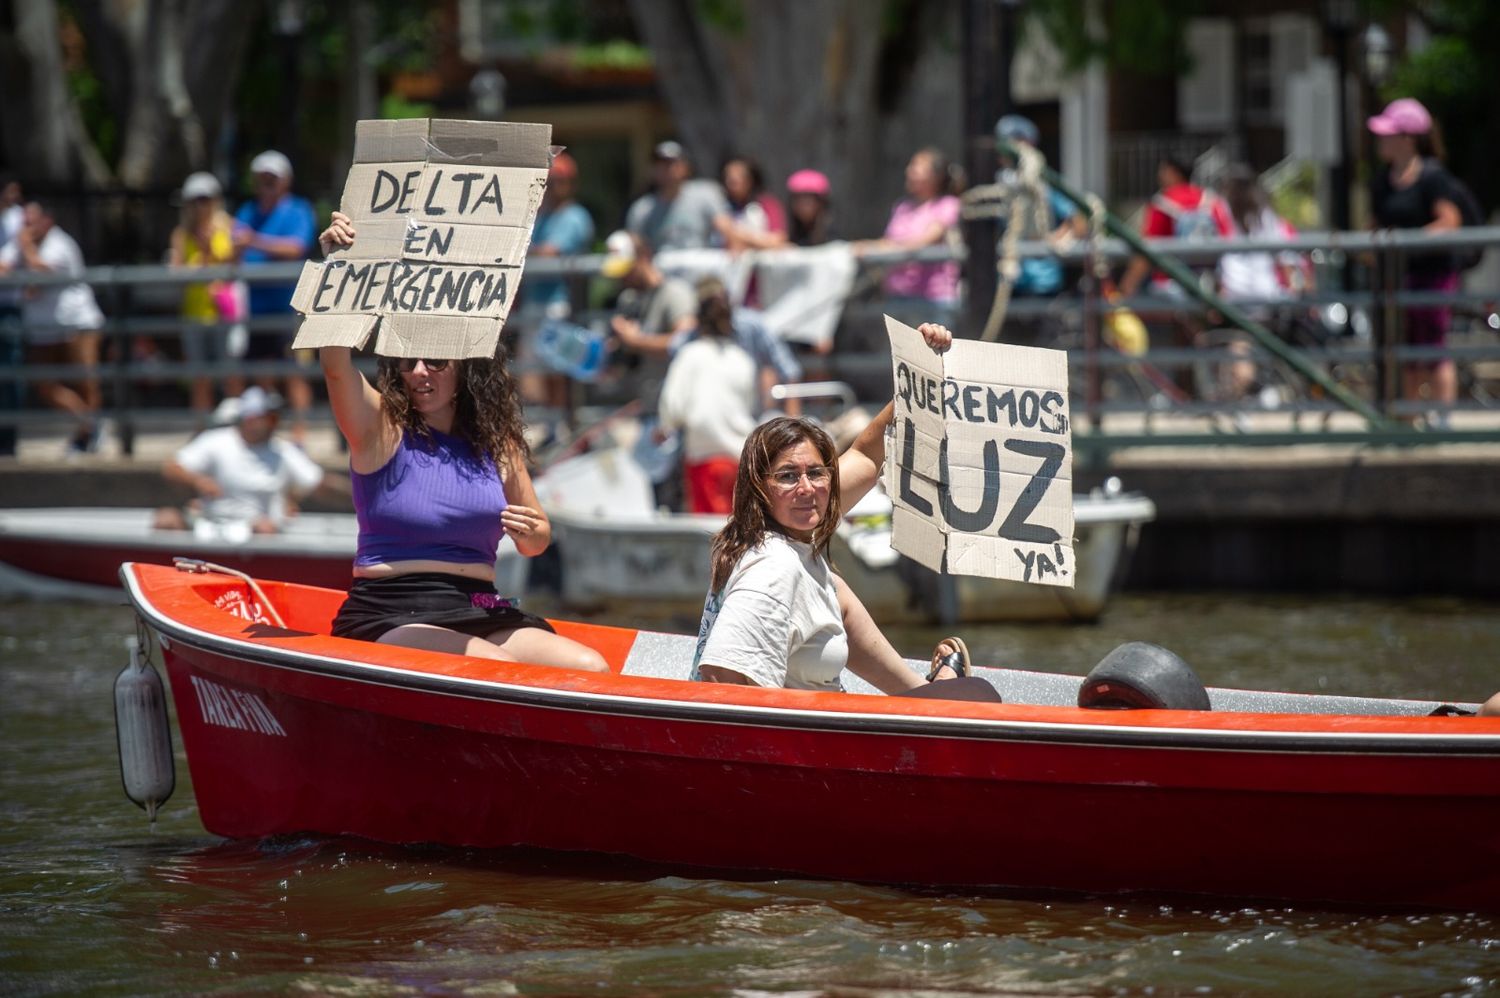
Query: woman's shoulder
[(775, 558)]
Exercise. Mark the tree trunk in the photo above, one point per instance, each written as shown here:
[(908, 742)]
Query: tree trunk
[(171, 67), (811, 83), (41, 131)]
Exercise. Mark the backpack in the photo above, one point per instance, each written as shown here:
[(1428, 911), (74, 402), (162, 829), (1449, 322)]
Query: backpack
[(1196, 223), (1468, 208)]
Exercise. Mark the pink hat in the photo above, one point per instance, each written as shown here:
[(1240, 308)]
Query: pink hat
[(808, 182), (1403, 116)]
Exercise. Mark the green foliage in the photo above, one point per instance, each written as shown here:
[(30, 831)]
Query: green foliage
[(1142, 36), (727, 16), (617, 54), (1296, 198), (396, 106), (98, 120), (1454, 77)]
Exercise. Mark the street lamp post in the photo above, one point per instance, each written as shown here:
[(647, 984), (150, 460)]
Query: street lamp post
[(1339, 17)]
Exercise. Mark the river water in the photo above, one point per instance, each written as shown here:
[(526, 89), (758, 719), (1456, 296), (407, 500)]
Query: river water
[(95, 902)]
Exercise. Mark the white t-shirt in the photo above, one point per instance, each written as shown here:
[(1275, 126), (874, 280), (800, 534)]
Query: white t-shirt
[(710, 394), (11, 220), (254, 479), (56, 310), (777, 620)]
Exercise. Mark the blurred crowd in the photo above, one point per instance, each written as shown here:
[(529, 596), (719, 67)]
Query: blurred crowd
[(657, 311)]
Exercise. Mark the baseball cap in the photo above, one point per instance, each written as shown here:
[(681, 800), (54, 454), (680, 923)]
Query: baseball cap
[(272, 162), (667, 150), (1403, 116), (256, 401), (563, 165), (619, 254), (1015, 126), (201, 185), (808, 182)]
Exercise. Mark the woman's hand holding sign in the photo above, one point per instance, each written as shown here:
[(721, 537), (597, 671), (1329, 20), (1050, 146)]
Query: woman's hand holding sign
[(339, 234)]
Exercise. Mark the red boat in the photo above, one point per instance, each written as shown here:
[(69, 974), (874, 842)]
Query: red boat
[(1267, 795), (76, 551)]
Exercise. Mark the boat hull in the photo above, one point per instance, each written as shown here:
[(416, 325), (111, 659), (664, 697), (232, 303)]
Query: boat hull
[(292, 731)]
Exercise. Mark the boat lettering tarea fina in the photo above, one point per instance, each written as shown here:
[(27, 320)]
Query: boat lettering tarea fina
[(1264, 795)]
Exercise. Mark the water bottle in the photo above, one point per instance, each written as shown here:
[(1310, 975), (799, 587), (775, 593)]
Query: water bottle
[(571, 349)]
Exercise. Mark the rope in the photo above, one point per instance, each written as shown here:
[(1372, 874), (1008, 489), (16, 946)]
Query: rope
[(1023, 203)]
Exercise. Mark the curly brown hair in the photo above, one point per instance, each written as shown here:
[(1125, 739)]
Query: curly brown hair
[(487, 407), (752, 517)]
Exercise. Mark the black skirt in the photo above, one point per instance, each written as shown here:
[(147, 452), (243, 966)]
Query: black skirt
[(469, 606)]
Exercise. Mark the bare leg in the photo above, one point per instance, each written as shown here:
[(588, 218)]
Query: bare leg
[(168, 518), (428, 638), (533, 644), (1491, 707), (83, 350), (517, 644), (299, 397)]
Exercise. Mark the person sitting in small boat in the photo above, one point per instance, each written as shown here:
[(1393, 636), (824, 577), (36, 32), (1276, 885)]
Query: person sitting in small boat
[(244, 476), (777, 615), (438, 463)]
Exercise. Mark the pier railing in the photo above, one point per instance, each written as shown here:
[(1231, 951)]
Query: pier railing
[(1193, 381)]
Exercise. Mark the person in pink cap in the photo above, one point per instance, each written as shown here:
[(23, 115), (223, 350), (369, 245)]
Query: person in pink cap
[(1415, 191), (810, 201)]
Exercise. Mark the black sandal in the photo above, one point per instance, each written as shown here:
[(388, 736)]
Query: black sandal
[(958, 660)]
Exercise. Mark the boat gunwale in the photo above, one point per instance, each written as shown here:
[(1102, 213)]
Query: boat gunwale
[(1101, 729)]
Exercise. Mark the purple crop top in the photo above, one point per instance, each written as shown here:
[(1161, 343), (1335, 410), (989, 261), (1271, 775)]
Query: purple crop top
[(437, 501)]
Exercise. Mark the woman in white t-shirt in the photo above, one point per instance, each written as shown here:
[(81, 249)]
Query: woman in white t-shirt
[(777, 615)]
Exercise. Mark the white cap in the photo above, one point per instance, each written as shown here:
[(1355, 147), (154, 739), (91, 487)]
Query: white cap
[(619, 254), (272, 162), (201, 185), (255, 401)]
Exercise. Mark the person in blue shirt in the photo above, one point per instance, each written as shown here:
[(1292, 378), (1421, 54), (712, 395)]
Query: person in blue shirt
[(563, 228), (276, 226), (1040, 275)]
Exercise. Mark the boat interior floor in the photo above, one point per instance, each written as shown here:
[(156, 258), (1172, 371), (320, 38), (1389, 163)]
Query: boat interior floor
[(670, 656)]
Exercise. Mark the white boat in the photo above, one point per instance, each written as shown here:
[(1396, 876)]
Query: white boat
[(618, 552), (77, 550)]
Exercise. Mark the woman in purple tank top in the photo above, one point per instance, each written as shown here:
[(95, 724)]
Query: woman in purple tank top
[(438, 464)]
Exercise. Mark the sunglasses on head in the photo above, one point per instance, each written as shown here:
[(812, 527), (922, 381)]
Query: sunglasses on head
[(409, 364)]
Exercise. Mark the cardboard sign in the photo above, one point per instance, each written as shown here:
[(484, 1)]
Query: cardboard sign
[(443, 212), (979, 459)]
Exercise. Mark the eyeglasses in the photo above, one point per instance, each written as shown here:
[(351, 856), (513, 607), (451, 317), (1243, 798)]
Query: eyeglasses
[(787, 479), (409, 364)]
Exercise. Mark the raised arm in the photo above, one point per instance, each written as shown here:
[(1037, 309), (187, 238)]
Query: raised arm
[(355, 402), (859, 466)]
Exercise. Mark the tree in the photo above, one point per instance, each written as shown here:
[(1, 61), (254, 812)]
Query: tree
[(1456, 80), (848, 87), (167, 69)]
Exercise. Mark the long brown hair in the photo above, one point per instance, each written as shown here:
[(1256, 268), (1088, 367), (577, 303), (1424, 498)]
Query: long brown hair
[(752, 517), (487, 407)]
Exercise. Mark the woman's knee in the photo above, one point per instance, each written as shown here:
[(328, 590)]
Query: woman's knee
[(585, 658)]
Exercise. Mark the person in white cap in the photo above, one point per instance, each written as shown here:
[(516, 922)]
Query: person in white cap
[(678, 212), (276, 226), (204, 237), (242, 475)]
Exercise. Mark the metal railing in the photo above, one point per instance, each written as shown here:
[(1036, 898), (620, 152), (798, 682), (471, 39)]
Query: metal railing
[(1120, 398)]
